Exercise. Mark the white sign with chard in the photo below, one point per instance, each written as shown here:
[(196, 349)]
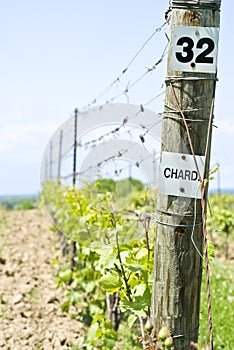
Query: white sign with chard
[(194, 49), (178, 175)]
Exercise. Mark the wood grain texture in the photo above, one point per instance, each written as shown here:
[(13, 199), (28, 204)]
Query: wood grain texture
[(178, 266)]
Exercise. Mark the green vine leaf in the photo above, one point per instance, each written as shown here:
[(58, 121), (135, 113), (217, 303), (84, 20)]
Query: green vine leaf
[(111, 282)]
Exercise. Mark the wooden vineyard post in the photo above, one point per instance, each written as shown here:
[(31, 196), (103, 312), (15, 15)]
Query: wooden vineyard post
[(186, 135), (60, 153), (73, 244)]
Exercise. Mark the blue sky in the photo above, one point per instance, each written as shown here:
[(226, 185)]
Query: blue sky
[(59, 55)]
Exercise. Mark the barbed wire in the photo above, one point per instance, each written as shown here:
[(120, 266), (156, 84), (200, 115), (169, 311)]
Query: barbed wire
[(125, 121), (67, 153), (117, 171), (126, 69), (118, 154), (61, 150), (60, 147), (52, 162), (150, 69)]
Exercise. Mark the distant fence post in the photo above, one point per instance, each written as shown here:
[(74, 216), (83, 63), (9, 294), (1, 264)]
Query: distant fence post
[(73, 244), (51, 161), (60, 153)]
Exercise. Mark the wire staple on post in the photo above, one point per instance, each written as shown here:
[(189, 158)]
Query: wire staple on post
[(186, 335)]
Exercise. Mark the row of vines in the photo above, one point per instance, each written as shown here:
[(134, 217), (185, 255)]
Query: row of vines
[(109, 287)]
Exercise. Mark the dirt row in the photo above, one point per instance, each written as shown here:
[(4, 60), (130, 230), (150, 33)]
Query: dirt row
[(30, 312)]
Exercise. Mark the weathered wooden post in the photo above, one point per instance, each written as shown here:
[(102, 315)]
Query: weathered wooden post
[(190, 81), (60, 154), (51, 161), (73, 244)]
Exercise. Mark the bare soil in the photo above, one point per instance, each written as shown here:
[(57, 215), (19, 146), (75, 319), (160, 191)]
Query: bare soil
[(30, 312), (30, 305)]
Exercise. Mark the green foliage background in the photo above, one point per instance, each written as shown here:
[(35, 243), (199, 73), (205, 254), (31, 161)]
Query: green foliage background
[(115, 260)]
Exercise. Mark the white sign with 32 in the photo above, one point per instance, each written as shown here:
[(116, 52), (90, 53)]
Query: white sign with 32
[(194, 49)]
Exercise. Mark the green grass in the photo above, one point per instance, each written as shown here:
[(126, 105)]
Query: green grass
[(222, 304)]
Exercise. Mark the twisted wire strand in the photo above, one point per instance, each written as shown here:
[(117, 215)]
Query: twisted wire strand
[(125, 70)]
